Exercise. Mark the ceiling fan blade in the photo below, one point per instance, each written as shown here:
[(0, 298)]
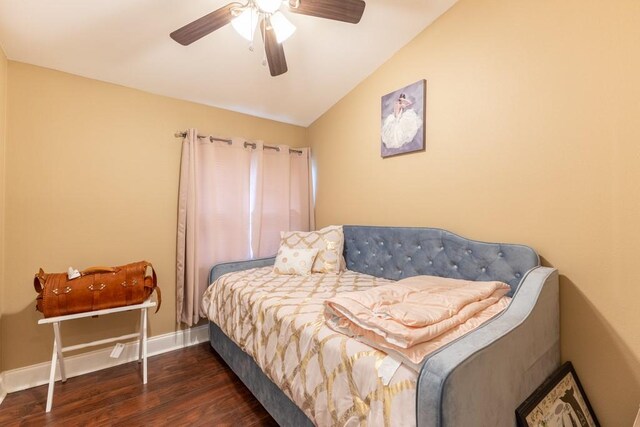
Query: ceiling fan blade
[(273, 49), (339, 10), (205, 25)]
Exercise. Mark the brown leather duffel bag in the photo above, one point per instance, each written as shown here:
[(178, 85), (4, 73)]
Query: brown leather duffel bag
[(97, 288)]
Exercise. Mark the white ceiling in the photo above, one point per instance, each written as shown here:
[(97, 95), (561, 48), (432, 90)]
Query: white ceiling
[(127, 42)]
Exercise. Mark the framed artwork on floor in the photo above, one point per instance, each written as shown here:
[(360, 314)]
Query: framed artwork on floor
[(403, 120), (559, 401)]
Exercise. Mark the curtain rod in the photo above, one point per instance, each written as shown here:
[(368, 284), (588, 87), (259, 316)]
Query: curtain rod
[(228, 141)]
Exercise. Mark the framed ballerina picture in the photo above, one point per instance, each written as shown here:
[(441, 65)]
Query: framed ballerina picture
[(559, 401), (403, 120)]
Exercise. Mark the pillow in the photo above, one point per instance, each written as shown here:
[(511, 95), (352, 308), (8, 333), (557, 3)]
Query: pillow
[(294, 261), (329, 241)]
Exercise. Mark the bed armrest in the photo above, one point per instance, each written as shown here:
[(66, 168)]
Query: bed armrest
[(228, 267), (483, 377)]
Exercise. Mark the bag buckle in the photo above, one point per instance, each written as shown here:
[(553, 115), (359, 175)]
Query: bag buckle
[(100, 287), (65, 290), (133, 283)]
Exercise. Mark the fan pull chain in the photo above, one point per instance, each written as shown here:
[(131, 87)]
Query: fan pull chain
[(251, 42), (264, 38)]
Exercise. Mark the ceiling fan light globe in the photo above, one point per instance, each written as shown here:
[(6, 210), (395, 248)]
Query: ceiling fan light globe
[(269, 6), (282, 26), (245, 24)]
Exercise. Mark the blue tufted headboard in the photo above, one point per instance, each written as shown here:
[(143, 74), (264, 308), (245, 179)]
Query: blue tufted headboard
[(399, 252)]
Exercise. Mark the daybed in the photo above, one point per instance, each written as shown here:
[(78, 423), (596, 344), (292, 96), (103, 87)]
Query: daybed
[(476, 380)]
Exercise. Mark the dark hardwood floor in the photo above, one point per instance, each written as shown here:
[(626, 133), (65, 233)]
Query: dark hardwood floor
[(192, 386)]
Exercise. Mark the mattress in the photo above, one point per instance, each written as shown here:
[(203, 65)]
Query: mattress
[(278, 320)]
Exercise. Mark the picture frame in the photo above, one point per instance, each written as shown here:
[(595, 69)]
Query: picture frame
[(403, 120), (559, 401)]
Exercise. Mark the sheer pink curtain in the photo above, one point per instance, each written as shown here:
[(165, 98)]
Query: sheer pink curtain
[(301, 209), (233, 203), (281, 197)]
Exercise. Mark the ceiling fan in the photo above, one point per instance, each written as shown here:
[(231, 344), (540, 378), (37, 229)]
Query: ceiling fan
[(274, 26)]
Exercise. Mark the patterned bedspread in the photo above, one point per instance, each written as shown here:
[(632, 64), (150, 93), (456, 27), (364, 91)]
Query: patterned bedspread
[(278, 320)]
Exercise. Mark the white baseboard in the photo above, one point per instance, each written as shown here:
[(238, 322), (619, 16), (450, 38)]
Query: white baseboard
[(3, 392), (35, 375)]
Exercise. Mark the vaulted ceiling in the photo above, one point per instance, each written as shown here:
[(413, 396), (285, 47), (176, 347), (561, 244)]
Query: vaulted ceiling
[(127, 42)]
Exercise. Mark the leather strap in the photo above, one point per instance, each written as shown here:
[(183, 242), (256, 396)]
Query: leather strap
[(61, 300), (60, 295), (157, 288), (95, 293), (98, 269), (128, 286), (38, 280), (154, 281)]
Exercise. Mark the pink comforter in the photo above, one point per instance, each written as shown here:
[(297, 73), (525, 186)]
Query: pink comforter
[(414, 317)]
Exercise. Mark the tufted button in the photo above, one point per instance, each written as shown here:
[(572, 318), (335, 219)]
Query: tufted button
[(419, 247), (408, 258), (469, 251), (518, 275), (381, 243), (366, 266), (483, 269), (430, 262), (455, 266), (441, 247), (359, 252), (500, 254), (381, 268)]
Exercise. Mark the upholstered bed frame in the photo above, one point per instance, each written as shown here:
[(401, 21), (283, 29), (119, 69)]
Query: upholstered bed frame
[(477, 380)]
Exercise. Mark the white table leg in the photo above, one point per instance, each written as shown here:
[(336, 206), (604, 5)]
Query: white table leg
[(144, 346), (52, 376), (142, 312), (58, 342)]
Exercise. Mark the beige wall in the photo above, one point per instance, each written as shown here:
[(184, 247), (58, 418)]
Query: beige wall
[(3, 130), (533, 136), (92, 178)]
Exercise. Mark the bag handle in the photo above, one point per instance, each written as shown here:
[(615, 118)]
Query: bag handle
[(154, 282), (98, 269), (38, 280)]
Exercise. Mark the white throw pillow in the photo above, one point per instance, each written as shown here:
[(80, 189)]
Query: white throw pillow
[(329, 241), (294, 261)]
